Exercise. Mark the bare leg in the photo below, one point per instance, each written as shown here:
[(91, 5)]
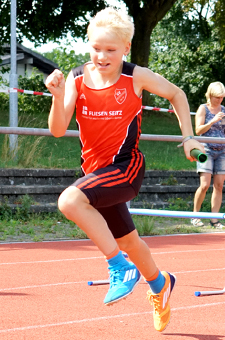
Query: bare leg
[(74, 204), (217, 193), (139, 253), (205, 179)]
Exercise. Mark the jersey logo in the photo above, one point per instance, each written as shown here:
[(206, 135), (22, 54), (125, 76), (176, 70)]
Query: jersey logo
[(82, 96), (84, 110), (120, 95)]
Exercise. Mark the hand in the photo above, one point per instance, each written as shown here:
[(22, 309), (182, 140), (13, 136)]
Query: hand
[(218, 117), (55, 83), (192, 144)]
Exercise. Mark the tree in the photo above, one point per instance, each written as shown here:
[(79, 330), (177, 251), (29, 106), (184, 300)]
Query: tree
[(219, 19), (186, 50), (66, 60), (41, 20)]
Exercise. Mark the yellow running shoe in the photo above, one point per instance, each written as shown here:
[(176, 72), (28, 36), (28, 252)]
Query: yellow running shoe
[(160, 302)]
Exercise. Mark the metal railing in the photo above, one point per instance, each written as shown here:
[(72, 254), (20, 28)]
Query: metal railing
[(75, 133)]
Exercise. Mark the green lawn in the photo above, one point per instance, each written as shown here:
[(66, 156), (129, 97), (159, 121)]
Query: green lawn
[(50, 227), (64, 152)]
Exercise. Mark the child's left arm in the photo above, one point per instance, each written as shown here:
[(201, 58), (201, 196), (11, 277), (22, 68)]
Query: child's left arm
[(144, 79)]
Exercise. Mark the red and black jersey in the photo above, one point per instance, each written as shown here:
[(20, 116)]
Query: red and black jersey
[(109, 120)]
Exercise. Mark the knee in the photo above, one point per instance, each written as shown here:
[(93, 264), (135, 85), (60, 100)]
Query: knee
[(204, 187), (218, 187), (68, 201)]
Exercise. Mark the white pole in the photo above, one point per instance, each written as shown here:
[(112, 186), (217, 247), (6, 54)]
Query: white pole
[(13, 99)]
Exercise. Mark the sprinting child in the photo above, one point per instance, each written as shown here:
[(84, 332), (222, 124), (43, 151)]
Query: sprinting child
[(106, 94)]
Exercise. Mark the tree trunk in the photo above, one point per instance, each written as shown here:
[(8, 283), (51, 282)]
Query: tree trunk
[(145, 19)]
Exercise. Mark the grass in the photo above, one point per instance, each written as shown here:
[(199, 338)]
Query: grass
[(50, 152), (38, 228), (23, 226), (53, 226), (64, 152)]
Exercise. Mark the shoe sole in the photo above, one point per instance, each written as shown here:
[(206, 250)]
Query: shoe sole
[(124, 296)]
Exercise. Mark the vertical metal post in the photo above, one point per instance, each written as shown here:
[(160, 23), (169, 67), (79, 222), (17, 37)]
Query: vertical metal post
[(13, 98)]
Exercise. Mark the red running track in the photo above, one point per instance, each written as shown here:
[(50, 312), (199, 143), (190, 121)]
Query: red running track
[(44, 292)]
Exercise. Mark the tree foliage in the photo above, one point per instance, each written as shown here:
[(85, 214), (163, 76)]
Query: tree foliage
[(219, 19), (187, 51), (186, 45), (66, 59), (30, 104), (41, 20)]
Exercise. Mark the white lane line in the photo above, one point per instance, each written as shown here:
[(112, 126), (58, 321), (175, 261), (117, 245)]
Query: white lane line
[(72, 322), (49, 261), (102, 257), (44, 285), (85, 282)]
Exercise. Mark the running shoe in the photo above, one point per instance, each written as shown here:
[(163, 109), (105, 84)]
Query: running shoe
[(160, 302), (122, 282)]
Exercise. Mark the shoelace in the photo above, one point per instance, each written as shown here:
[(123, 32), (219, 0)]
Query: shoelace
[(113, 278), (154, 300)]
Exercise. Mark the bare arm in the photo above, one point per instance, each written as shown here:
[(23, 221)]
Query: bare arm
[(63, 102), (144, 79), (200, 126)]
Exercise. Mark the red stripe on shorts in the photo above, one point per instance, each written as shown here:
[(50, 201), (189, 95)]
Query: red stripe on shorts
[(95, 179)]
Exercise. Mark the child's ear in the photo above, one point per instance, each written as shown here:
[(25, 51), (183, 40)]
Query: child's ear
[(127, 48)]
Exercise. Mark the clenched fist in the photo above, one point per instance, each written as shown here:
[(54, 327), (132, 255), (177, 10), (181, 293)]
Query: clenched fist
[(55, 83)]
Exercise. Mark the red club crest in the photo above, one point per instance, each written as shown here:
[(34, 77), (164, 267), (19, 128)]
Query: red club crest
[(120, 95)]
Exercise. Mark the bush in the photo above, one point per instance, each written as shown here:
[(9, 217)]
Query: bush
[(31, 104), (28, 104)]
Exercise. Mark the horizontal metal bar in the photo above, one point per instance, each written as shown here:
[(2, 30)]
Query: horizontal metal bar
[(180, 214), (34, 131), (75, 133)]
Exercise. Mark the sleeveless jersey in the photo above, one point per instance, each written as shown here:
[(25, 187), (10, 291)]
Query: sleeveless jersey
[(108, 119), (216, 130)]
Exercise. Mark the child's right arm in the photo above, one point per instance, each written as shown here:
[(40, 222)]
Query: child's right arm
[(64, 95)]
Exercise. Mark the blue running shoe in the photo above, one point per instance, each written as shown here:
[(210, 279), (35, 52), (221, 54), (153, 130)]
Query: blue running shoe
[(122, 282)]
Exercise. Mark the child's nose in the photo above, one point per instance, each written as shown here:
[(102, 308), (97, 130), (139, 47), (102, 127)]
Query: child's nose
[(102, 56)]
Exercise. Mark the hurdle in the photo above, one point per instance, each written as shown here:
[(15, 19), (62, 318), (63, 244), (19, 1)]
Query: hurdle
[(148, 212), (183, 214), (210, 292), (178, 214), (170, 213)]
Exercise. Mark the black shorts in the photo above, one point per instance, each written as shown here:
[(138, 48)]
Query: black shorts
[(108, 189)]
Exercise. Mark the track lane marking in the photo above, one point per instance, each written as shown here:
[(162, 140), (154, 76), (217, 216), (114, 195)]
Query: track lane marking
[(72, 322), (85, 282), (102, 257)]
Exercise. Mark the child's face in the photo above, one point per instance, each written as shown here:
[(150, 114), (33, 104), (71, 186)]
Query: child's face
[(107, 50)]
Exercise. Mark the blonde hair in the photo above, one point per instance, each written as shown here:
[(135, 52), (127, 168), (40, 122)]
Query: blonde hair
[(118, 22), (215, 89)]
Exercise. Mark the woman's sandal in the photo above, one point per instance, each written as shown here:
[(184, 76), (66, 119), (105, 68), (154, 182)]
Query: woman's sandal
[(216, 225), (197, 222)]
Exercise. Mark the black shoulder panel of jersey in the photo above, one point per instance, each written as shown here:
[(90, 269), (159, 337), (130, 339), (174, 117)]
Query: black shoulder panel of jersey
[(128, 68), (78, 71)]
